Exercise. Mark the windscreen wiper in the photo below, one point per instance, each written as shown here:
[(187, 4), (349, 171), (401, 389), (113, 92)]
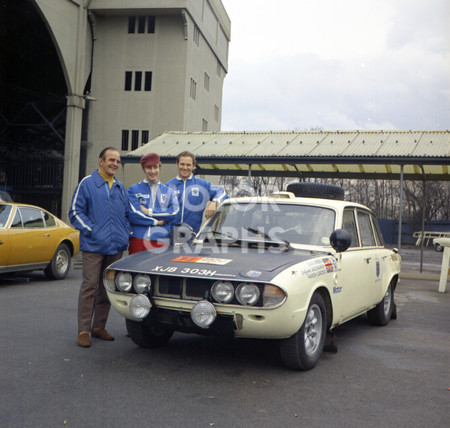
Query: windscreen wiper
[(271, 238)]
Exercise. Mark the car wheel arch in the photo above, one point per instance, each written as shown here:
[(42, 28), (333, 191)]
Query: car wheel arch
[(386, 309), (69, 244), (392, 282), (328, 304), (304, 348)]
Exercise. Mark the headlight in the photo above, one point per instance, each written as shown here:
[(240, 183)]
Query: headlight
[(108, 279), (203, 314), (124, 281), (222, 291), (247, 294), (142, 283), (140, 306), (272, 295)]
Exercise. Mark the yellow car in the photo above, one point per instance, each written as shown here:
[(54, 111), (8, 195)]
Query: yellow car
[(33, 239)]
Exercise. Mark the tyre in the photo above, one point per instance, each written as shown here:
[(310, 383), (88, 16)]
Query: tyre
[(303, 350), (148, 336), (59, 267), (439, 248), (381, 314), (316, 190)]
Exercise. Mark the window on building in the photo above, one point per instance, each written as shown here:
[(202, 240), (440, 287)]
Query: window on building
[(128, 79), (216, 113), (143, 24), (204, 125), (151, 24), (144, 139), (219, 68), (125, 136), (134, 139), (137, 80), (131, 24), (148, 81), (206, 81), (196, 35), (193, 89)]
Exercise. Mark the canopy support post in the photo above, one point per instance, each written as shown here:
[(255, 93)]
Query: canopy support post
[(424, 200), (400, 220)]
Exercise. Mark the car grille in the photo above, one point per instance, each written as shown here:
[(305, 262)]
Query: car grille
[(191, 288)]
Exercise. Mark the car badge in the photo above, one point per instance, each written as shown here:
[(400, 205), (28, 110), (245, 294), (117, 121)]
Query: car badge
[(253, 273)]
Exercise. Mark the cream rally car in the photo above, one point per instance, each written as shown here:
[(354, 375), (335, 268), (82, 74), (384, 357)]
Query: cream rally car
[(281, 267)]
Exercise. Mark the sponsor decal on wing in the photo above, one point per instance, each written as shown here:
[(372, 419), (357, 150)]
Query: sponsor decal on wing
[(319, 267), (206, 260)]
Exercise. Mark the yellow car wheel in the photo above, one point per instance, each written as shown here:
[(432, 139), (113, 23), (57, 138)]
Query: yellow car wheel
[(60, 264)]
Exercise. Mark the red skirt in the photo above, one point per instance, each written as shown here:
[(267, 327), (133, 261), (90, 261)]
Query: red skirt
[(137, 245)]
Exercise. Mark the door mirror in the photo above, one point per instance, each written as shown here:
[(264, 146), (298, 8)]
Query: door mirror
[(340, 240)]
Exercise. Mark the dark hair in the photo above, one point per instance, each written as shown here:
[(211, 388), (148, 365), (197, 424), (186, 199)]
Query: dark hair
[(102, 153), (186, 153)]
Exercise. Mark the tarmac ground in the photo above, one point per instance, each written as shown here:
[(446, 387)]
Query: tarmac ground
[(421, 264), (392, 376)]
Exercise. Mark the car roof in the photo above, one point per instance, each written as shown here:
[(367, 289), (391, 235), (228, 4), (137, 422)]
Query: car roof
[(292, 200), (20, 204)]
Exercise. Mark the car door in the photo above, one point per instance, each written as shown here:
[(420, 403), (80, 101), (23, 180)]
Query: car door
[(5, 214), (29, 237), (359, 267)]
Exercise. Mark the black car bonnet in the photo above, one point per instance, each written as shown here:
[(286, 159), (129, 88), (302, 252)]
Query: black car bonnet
[(230, 263)]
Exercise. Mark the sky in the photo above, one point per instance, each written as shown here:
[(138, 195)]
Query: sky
[(298, 65)]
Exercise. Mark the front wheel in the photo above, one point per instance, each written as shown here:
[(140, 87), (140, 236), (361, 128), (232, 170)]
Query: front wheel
[(303, 350), (59, 266), (381, 314), (148, 336)]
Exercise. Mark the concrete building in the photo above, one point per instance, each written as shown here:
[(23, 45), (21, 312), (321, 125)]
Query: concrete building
[(133, 70), (155, 69)]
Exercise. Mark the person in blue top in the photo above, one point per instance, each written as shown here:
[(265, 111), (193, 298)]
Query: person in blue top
[(195, 196), (153, 208), (99, 210)]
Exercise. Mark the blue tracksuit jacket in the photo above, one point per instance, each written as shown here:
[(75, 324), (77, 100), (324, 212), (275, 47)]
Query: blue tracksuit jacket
[(101, 215), (165, 208), (193, 196)]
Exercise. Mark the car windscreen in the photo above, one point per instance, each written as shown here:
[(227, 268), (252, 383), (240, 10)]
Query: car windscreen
[(297, 224), (5, 210)]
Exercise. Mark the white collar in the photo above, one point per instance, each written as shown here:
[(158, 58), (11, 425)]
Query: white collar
[(181, 179), (151, 184)]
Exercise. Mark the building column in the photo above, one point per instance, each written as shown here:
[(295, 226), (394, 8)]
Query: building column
[(72, 146)]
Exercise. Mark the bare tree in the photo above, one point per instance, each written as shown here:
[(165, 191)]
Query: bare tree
[(381, 196)]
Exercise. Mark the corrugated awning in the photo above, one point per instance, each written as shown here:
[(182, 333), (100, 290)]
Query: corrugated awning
[(338, 154)]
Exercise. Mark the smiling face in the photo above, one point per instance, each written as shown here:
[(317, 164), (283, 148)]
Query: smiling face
[(109, 163), (185, 167), (152, 173)]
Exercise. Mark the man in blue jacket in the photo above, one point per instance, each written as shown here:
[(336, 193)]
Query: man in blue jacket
[(195, 196), (153, 208), (99, 210)]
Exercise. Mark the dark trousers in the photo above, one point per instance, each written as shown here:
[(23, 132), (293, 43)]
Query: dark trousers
[(93, 303)]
